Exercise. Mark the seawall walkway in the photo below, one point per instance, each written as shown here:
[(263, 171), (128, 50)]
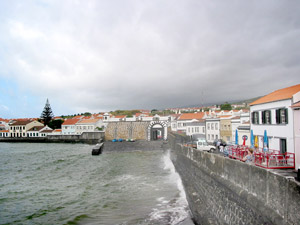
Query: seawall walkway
[(226, 191)]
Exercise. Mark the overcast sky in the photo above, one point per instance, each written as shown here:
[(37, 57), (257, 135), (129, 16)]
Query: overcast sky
[(105, 55)]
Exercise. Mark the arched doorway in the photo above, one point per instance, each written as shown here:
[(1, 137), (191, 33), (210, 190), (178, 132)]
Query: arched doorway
[(157, 131)]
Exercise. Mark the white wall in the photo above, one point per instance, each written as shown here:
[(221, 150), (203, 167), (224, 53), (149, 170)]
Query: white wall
[(195, 129), (212, 133)]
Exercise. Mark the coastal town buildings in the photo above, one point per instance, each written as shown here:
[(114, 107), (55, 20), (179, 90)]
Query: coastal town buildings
[(225, 128), (186, 118), (274, 114), (39, 131), (212, 129), (20, 128), (244, 134), (88, 125), (4, 133), (69, 126), (196, 128)]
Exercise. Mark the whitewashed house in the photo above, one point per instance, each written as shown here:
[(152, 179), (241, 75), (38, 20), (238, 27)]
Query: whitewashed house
[(39, 131), (69, 126), (20, 128), (196, 127), (212, 129), (88, 125), (4, 133), (237, 121), (274, 114), (244, 132), (187, 118)]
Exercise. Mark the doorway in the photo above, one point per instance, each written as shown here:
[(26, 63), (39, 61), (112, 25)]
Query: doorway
[(283, 146)]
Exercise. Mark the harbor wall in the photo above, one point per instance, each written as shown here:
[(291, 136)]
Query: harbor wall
[(85, 137), (127, 130), (226, 191)]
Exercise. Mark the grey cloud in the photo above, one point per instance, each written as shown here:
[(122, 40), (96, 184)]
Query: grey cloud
[(104, 55)]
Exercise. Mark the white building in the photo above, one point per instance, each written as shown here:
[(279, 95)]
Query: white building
[(20, 128), (187, 118), (244, 132), (69, 126), (195, 128), (4, 133), (237, 121), (88, 125), (274, 114), (39, 131), (212, 129)]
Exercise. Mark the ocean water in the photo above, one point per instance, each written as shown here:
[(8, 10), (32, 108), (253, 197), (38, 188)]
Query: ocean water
[(65, 184)]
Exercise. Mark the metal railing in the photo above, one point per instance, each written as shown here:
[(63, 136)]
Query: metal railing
[(272, 159)]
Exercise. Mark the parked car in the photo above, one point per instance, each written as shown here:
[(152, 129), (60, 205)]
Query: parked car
[(204, 146)]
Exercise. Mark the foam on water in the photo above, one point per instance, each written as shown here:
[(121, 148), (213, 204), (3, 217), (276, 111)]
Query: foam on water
[(176, 210), (65, 184)]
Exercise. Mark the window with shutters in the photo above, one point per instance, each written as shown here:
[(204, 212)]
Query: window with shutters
[(282, 116), (255, 119), (266, 117)]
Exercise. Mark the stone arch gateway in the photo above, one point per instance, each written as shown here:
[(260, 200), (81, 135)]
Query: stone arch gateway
[(157, 130)]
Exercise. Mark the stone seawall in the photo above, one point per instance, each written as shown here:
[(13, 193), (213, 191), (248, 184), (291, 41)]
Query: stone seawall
[(127, 130), (86, 137), (225, 191)]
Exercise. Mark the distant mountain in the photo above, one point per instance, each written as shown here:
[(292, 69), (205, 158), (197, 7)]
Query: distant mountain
[(245, 101), (235, 102)]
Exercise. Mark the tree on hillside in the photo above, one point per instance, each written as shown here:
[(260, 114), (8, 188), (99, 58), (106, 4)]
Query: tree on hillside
[(226, 106), (47, 113)]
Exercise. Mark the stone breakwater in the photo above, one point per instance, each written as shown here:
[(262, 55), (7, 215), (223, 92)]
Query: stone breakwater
[(85, 137), (225, 191)]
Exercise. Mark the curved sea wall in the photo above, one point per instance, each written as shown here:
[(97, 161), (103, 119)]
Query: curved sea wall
[(226, 191)]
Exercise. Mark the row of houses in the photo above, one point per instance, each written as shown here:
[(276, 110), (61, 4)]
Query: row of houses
[(218, 124), (20, 128), (277, 114)]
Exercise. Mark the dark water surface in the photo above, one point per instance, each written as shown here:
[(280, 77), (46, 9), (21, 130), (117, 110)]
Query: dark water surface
[(65, 184)]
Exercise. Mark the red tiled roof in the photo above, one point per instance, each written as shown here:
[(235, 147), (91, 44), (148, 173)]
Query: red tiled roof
[(70, 121), (281, 94), (91, 121), (225, 116), (57, 130), (190, 116), (121, 116), (21, 122), (46, 131), (77, 117)]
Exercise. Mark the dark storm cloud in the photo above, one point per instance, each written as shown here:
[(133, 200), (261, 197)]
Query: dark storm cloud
[(106, 55)]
